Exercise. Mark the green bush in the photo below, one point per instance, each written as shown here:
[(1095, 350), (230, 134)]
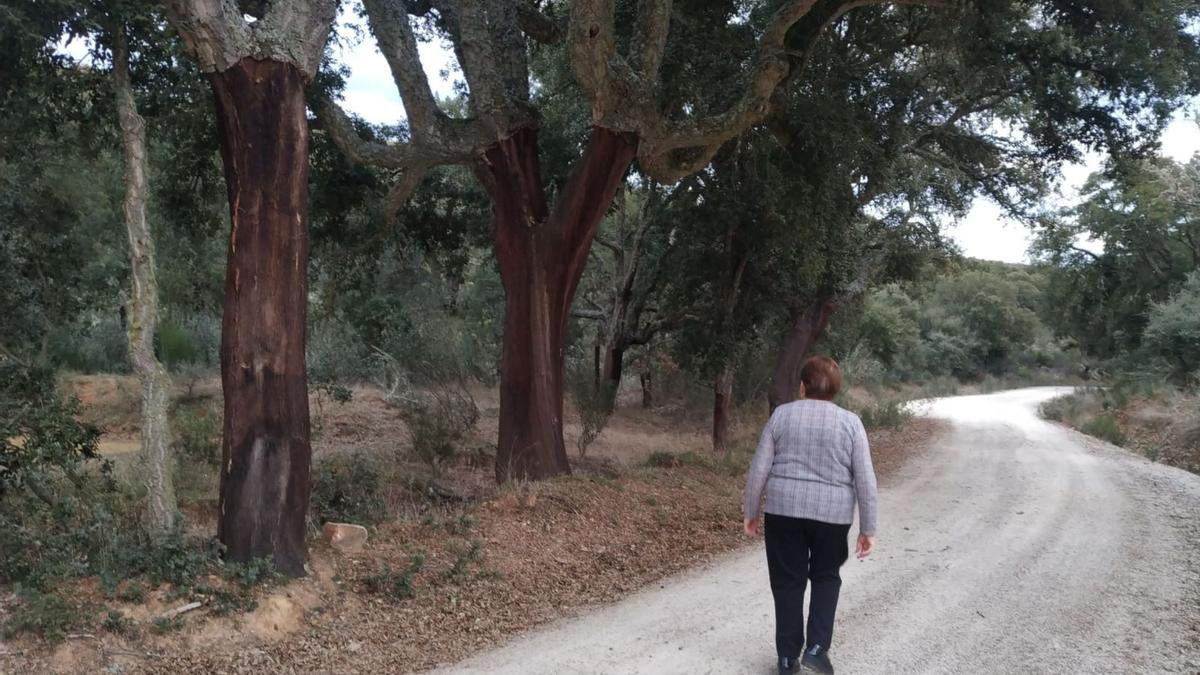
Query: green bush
[(885, 415), (349, 489), (397, 585), (92, 344), (1106, 427), (163, 625), (593, 401), (175, 345), (43, 613), (116, 622), (661, 459), (198, 434), (336, 352), (1173, 331), (464, 557)]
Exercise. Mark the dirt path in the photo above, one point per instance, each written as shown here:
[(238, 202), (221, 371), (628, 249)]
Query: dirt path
[(1012, 546)]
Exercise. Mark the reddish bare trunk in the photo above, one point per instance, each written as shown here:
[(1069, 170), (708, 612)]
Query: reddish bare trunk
[(722, 397), (541, 257), (806, 328), (266, 452)]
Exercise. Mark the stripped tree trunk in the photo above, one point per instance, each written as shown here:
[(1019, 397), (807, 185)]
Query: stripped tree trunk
[(723, 382), (143, 305), (541, 255), (807, 326), (722, 396), (266, 452)]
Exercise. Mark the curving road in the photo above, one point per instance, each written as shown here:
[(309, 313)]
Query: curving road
[(1011, 546)]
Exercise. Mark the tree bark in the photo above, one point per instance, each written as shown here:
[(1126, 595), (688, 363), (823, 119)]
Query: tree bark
[(647, 389), (142, 317), (807, 326), (266, 449), (541, 257), (614, 362), (722, 396)]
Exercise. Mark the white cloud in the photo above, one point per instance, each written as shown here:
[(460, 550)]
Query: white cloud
[(370, 91), (987, 233)]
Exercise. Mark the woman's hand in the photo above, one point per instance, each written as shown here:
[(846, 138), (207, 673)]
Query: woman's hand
[(750, 526), (866, 544)]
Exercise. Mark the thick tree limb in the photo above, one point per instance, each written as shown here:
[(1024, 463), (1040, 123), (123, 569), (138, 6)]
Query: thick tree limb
[(591, 45), (508, 41), (389, 24), (538, 26), (671, 150), (218, 36), (699, 140), (480, 63), (398, 195), (451, 142), (654, 23)]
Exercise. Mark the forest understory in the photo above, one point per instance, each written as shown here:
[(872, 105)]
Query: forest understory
[(454, 563)]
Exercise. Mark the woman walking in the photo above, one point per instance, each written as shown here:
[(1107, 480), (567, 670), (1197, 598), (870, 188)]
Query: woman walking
[(814, 464)]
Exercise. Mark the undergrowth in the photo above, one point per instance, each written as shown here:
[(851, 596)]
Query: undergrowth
[(65, 519)]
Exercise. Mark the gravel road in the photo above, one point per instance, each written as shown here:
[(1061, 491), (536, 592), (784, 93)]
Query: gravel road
[(1011, 545)]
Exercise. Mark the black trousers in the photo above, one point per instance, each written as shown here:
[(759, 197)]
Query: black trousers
[(799, 551)]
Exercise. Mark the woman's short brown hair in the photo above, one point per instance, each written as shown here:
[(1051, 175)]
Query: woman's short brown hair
[(822, 378)]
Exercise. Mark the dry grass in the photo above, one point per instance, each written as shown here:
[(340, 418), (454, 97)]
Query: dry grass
[(502, 560)]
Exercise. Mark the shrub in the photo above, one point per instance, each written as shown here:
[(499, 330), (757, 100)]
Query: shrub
[(45, 614), (463, 559), (348, 489), (1173, 330), (175, 345), (397, 585), (887, 414), (593, 401), (116, 622), (198, 434), (1106, 427), (336, 352), (439, 416), (162, 624), (92, 344), (661, 459)]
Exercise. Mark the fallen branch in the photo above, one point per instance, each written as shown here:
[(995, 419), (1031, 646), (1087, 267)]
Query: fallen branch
[(180, 610), (125, 652)]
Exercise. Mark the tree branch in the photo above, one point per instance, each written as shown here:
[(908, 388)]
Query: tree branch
[(662, 140), (608, 244), (591, 45), (214, 32), (671, 150), (390, 25), (480, 63), (653, 25), (538, 26), (508, 44), (335, 122)]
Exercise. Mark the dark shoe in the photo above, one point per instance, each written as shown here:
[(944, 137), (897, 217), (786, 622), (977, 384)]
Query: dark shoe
[(787, 666), (816, 660)]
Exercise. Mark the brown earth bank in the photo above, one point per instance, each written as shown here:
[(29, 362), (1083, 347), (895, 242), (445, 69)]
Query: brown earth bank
[(454, 569)]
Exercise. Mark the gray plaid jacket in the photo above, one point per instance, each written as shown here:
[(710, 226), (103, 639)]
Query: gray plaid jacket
[(813, 461)]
